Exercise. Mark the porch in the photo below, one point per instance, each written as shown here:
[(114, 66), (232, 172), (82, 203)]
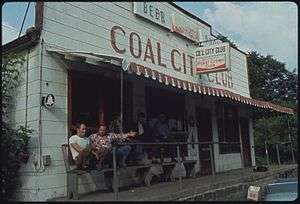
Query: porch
[(191, 186)]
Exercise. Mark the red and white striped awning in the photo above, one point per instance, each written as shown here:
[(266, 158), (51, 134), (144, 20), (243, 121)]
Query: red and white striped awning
[(98, 59), (205, 90)]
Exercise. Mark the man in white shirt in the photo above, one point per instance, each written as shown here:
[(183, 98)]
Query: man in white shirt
[(80, 147)]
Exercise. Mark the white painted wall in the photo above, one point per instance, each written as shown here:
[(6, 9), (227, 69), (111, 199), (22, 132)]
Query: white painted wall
[(78, 26), (86, 26)]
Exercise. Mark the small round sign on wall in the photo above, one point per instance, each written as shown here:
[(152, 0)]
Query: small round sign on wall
[(49, 101)]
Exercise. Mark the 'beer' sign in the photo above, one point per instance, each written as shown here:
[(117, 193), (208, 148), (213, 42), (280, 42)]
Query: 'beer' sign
[(155, 12), (214, 58)]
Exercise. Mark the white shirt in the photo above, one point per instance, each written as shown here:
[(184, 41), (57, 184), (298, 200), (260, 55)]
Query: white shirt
[(83, 142)]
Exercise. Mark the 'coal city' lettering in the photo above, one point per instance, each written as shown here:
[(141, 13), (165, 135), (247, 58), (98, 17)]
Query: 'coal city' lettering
[(180, 61)]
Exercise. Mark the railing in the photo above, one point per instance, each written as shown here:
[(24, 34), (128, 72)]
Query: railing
[(179, 161), (275, 153)]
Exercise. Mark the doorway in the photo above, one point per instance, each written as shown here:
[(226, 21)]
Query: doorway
[(204, 128), (245, 141), (94, 99)]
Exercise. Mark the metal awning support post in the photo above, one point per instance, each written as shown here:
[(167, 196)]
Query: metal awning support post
[(179, 163), (290, 140), (278, 155), (267, 153), (121, 100), (266, 146), (115, 176), (212, 162)]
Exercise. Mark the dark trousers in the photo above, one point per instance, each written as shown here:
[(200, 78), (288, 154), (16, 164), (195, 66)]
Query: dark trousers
[(122, 153)]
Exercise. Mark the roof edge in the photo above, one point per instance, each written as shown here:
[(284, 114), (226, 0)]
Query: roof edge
[(32, 35), (30, 39), (189, 14)]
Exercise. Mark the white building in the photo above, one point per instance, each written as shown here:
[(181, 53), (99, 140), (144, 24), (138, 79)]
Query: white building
[(75, 53)]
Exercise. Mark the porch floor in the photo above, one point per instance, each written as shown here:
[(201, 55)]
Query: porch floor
[(170, 190)]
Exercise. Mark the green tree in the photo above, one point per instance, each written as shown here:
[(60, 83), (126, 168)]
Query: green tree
[(270, 81), (14, 143)]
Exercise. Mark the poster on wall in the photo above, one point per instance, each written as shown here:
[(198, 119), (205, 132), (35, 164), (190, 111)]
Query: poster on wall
[(214, 58)]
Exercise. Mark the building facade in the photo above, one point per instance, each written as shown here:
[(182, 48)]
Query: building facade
[(77, 57)]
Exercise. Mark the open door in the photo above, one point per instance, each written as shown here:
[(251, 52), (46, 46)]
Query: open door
[(204, 128), (245, 141)]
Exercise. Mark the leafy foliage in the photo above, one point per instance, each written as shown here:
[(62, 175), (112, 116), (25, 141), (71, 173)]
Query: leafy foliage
[(10, 74), (14, 143), (270, 81)]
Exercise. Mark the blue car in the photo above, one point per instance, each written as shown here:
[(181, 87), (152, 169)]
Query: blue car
[(282, 190)]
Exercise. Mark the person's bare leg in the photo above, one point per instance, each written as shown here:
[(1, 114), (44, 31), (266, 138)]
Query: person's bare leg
[(79, 161), (82, 158)]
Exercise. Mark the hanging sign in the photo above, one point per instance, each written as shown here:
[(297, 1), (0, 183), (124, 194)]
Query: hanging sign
[(214, 58), (49, 101)]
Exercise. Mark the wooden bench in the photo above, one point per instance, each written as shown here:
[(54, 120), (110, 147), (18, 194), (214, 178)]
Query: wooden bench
[(72, 174)]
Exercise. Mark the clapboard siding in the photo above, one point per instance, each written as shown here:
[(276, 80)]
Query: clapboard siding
[(92, 34), (88, 12), (54, 139), (54, 127), (17, 111), (87, 26), (56, 167), (226, 162)]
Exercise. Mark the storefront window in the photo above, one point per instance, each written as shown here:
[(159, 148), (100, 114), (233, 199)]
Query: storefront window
[(228, 129)]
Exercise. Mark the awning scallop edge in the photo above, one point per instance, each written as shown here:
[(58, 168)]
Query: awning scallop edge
[(202, 89)]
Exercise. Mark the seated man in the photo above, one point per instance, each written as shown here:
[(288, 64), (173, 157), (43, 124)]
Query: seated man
[(162, 134), (102, 143), (80, 147), (143, 133)]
